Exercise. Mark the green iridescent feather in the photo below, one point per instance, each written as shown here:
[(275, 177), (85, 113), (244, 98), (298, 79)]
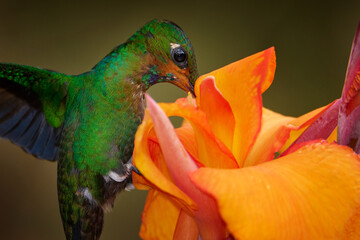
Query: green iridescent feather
[(88, 122)]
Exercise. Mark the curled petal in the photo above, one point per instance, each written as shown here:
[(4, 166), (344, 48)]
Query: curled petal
[(275, 130), (149, 159), (207, 143), (352, 80), (322, 125), (349, 115), (187, 137), (249, 77), (180, 164), (218, 111), (300, 124), (312, 193), (186, 228), (155, 174), (177, 159)]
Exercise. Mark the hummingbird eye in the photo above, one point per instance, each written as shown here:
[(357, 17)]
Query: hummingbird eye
[(179, 56)]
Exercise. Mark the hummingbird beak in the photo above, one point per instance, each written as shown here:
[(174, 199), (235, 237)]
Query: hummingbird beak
[(192, 90), (183, 82)]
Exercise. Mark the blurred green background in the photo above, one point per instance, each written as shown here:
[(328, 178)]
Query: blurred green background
[(312, 41)]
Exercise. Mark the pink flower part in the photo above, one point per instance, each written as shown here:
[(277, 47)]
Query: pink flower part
[(349, 114), (180, 165), (322, 127)]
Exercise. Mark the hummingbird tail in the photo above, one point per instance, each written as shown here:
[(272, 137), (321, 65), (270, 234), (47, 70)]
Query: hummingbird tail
[(79, 194), (82, 216), (89, 225)]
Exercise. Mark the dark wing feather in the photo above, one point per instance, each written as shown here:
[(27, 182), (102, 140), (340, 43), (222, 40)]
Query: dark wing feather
[(23, 122)]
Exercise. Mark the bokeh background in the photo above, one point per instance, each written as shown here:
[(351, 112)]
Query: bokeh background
[(312, 41)]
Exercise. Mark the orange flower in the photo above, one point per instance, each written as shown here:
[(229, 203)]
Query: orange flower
[(216, 176)]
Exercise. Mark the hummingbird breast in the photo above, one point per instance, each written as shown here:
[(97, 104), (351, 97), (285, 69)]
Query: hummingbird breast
[(99, 130), (98, 138)]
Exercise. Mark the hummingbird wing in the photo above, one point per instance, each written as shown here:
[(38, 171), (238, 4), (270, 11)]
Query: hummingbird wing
[(32, 106)]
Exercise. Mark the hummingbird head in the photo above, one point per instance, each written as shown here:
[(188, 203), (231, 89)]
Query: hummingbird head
[(169, 53)]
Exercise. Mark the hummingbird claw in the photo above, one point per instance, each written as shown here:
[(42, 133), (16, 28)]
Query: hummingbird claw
[(134, 169), (117, 177), (129, 168)]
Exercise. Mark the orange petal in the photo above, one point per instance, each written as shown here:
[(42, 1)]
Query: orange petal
[(159, 217), (187, 137), (149, 160), (154, 172), (218, 111), (241, 84), (300, 124), (274, 133), (186, 228), (180, 165), (140, 182), (333, 136), (176, 157), (208, 145), (322, 127), (312, 193)]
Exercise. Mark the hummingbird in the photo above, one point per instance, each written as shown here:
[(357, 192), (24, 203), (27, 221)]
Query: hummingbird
[(87, 122)]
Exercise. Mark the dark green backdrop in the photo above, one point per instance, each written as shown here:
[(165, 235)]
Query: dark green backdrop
[(312, 41)]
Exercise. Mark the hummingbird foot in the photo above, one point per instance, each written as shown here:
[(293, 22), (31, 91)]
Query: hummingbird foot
[(128, 169), (116, 181), (133, 168)]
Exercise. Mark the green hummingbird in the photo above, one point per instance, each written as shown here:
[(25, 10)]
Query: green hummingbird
[(87, 122)]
